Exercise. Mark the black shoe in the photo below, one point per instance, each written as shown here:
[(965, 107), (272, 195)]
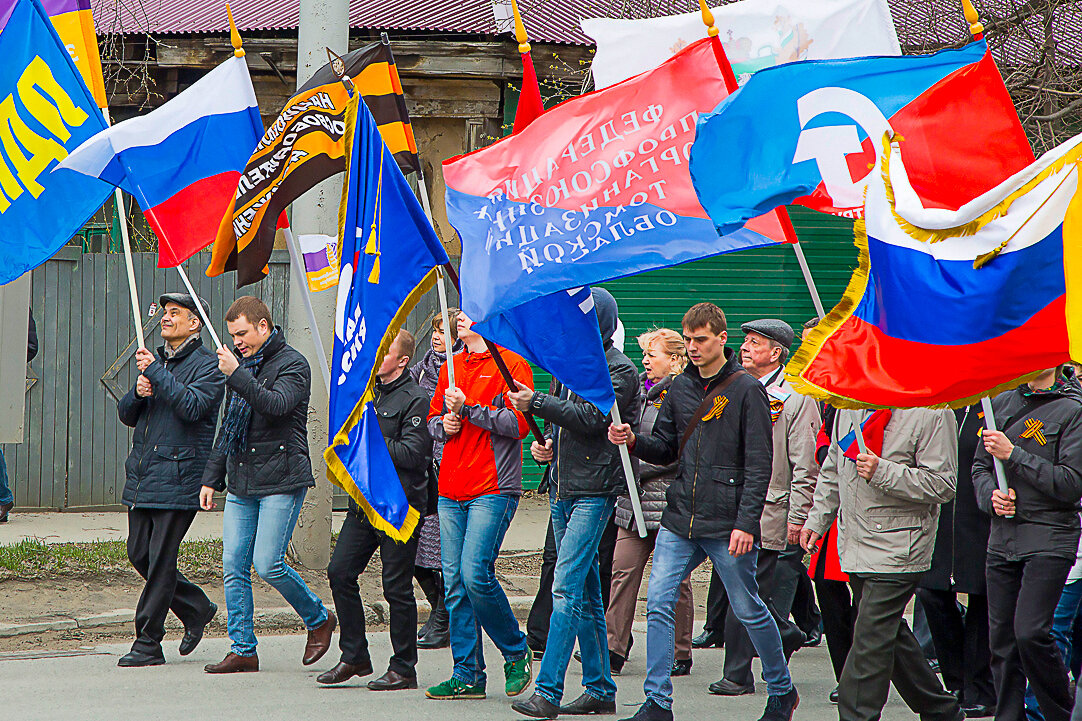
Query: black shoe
[(587, 705), (725, 687), (681, 667), (5, 509), (792, 639), (616, 664), (708, 639), (136, 659), (834, 695), (978, 711), (439, 633), (538, 653), (781, 708), (392, 681), (192, 636), (814, 638), (650, 711), (536, 706)]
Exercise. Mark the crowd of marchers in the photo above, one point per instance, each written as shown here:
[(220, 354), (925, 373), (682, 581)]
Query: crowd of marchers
[(731, 464)]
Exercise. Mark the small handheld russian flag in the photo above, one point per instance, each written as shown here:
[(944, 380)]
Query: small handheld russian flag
[(872, 427)]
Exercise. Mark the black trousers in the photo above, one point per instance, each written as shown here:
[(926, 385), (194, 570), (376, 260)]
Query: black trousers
[(885, 651), (1022, 598), (961, 644), (537, 623), (154, 537), (836, 604), (739, 650), (717, 606), (358, 541), (793, 592)]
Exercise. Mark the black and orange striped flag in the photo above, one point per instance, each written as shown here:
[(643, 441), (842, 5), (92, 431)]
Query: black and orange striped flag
[(304, 146)]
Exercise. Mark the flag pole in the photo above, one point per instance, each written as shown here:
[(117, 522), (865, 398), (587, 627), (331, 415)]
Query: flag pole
[(859, 432), (441, 291), (990, 424), (629, 476), (295, 263), (816, 300), (199, 306), (976, 28)]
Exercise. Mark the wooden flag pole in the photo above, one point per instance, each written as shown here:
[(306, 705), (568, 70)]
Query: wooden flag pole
[(976, 28)]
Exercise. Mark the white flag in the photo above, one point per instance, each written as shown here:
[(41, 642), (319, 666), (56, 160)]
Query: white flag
[(756, 34)]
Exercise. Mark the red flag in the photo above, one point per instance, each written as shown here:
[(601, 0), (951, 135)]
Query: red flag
[(529, 99)]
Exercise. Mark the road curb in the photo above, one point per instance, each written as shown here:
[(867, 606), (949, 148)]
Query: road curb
[(269, 619)]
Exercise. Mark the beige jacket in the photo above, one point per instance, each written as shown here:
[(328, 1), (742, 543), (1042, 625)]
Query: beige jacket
[(888, 524), (792, 478)]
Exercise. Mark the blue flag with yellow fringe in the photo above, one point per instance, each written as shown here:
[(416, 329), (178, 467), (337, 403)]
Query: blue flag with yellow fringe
[(388, 252), (46, 112)]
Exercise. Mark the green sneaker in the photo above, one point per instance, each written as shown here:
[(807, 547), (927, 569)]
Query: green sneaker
[(517, 675), (453, 689)]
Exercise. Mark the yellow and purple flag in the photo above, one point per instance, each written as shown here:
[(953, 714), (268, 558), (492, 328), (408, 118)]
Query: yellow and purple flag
[(74, 24)]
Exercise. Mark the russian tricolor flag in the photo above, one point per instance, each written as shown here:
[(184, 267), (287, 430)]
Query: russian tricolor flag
[(951, 305), (182, 161)]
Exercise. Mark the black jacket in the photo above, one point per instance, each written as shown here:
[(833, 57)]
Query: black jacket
[(725, 468), (585, 463), (275, 458), (1044, 469), (402, 409), (961, 541), (174, 429)]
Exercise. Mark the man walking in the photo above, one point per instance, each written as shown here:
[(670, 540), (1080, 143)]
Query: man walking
[(584, 481), (480, 484), (887, 502), (715, 420), (173, 408), (263, 447), (792, 486), (402, 407)]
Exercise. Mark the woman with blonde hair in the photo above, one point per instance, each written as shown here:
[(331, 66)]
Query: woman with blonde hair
[(664, 357)]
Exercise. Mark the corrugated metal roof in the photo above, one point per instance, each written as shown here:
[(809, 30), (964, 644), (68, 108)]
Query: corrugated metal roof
[(547, 21)]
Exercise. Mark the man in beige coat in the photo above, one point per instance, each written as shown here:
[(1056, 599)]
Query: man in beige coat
[(795, 421), (887, 504)]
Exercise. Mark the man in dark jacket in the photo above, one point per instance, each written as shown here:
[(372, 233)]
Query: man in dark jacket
[(173, 407), (585, 479), (263, 448), (1034, 535), (715, 420), (402, 408)]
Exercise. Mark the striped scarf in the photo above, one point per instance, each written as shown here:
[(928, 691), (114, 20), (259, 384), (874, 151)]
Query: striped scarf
[(238, 415)]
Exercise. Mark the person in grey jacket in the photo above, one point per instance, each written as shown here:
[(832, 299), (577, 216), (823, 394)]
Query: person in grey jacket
[(1034, 535), (887, 504), (664, 357), (173, 408), (585, 479)]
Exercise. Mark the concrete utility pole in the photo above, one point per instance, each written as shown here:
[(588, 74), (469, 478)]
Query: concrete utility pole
[(323, 24)]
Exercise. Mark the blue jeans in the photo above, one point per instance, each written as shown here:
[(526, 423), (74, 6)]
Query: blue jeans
[(1062, 627), (5, 492), (471, 533), (577, 608), (257, 530), (674, 558)]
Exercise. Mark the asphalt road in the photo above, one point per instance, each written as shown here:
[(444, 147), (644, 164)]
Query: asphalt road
[(88, 686)]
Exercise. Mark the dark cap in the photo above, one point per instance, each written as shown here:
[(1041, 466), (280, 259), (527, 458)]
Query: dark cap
[(776, 330), (185, 300)]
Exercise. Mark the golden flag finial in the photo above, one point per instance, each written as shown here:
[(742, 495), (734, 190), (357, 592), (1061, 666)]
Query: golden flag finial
[(975, 26), (234, 35), (708, 19), (520, 30)]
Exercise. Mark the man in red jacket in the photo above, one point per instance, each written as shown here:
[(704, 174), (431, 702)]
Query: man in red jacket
[(479, 487)]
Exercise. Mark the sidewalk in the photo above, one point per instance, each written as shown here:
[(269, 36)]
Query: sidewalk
[(527, 531)]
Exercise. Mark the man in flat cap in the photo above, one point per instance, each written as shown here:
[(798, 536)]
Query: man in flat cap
[(795, 420), (173, 408)]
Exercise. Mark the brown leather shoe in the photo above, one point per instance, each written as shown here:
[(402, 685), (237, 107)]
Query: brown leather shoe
[(319, 639), (344, 672), (392, 681), (233, 663)]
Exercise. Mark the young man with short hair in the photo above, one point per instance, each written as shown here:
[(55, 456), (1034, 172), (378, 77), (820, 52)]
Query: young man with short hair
[(173, 408), (715, 420), (479, 488), (402, 407), (263, 448)]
